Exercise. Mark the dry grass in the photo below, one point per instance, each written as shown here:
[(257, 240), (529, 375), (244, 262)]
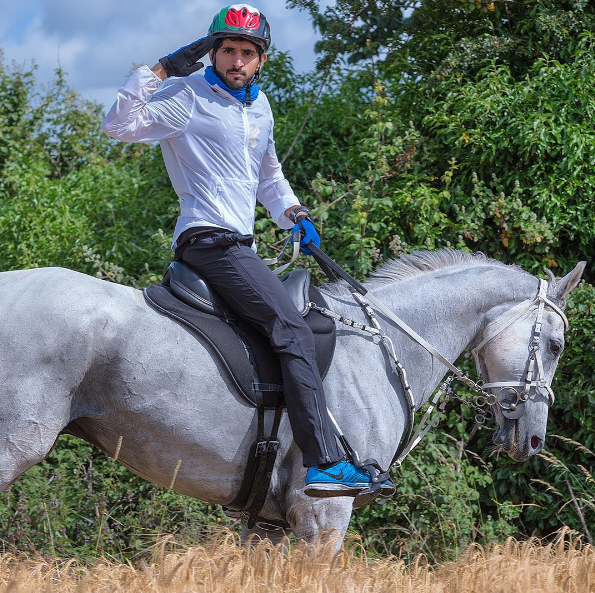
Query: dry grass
[(222, 566)]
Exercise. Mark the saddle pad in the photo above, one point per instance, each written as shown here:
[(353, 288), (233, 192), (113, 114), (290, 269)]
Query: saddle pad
[(245, 354)]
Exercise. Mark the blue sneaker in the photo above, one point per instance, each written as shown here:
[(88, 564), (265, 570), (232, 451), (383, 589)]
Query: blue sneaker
[(342, 479)]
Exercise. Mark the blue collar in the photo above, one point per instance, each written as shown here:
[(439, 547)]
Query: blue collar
[(239, 94)]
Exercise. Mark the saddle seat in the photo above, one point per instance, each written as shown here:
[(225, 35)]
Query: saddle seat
[(191, 288)]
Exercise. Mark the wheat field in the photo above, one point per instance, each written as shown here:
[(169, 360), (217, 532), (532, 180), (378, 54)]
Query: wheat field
[(223, 566)]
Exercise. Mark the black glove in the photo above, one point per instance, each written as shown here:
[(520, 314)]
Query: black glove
[(185, 60)]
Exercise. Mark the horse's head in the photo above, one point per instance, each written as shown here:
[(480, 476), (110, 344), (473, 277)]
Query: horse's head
[(518, 356)]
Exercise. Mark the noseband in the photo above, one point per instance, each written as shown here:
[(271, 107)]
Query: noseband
[(513, 395)]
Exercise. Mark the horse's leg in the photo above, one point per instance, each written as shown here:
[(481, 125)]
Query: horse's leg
[(33, 411), (319, 520), (25, 443), (314, 520)]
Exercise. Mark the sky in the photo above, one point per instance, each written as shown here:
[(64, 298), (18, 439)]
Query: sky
[(98, 43)]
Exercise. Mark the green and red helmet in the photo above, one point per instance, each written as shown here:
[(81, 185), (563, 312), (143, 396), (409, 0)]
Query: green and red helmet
[(242, 20)]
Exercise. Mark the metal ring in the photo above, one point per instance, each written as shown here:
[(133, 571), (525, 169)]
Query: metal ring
[(480, 401), (508, 388)]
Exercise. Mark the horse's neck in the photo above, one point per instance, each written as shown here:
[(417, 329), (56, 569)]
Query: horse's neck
[(448, 308)]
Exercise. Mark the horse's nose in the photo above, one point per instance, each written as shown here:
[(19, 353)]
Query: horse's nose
[(536, 444)]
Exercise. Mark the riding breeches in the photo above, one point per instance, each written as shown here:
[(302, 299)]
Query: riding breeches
[(254, 293)]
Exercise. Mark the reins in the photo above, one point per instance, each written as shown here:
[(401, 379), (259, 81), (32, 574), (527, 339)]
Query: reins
[(510, 409)]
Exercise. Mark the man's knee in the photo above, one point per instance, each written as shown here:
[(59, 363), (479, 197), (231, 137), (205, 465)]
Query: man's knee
[(294, 336)]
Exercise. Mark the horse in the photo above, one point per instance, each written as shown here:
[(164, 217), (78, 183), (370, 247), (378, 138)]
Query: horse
[(88, 357)]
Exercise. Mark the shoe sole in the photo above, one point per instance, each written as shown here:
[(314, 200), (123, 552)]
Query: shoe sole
[(322, 490)]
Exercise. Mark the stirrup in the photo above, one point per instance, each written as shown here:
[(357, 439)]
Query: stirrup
[(379, 477), (372, 495)]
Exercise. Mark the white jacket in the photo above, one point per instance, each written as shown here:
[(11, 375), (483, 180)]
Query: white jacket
[(219, 154)]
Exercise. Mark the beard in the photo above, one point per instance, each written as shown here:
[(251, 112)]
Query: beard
[(232, 82)]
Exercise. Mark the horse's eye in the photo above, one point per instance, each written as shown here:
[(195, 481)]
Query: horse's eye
[(555, 347)]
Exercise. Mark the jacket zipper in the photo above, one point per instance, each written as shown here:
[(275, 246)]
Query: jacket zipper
[(246, 140), (321, 428)]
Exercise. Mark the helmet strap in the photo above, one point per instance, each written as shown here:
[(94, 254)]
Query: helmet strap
[(248, 89)]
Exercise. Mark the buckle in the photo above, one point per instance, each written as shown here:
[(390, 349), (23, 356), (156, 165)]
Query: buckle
[(266, 447)]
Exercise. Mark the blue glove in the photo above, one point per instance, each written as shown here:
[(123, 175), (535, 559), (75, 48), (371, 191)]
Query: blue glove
[(184, 61), (308, 232)]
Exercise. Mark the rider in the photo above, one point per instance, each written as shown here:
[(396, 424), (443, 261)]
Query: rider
[(216, 135)]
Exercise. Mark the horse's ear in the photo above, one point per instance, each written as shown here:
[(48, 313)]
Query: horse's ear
[(567, 284)]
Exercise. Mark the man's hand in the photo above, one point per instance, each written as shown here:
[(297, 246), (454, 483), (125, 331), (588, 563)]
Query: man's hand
[(308, 233), (185, 60)]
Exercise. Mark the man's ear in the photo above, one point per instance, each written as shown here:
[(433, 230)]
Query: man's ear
[(211, 55), (263, 59)]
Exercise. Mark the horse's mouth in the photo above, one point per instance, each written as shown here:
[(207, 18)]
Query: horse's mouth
[(511, 450), (506, 440)]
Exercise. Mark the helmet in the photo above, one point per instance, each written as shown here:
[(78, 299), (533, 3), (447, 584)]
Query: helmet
[(242, 20)]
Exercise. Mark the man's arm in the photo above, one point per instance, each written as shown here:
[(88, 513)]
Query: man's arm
[(135, 117)]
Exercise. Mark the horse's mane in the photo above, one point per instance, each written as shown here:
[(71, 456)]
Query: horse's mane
[(419, 263)]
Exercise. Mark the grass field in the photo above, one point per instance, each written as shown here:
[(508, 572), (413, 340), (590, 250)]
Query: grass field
[(222, 566)]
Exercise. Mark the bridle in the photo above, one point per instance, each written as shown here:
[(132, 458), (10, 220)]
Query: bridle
[(514, 394)]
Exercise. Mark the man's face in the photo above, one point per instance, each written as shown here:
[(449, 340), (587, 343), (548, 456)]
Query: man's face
[(236, 62)]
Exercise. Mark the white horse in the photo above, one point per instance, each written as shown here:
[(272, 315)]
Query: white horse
[(89, 357)]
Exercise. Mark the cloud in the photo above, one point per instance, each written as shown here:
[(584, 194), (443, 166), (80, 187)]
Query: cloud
[(98, 43)]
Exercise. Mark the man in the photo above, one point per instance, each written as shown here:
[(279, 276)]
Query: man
[(216, 135)]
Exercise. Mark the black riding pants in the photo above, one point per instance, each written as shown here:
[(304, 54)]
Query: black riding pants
[(254, 293)]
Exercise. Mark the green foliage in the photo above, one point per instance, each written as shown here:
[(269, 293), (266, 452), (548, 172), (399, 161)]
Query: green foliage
[(467, 124), (66, 188), (437, 508), (79, 502), (449, 36), (316, 115)]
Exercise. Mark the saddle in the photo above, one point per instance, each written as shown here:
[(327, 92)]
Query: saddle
[(246, 356)]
